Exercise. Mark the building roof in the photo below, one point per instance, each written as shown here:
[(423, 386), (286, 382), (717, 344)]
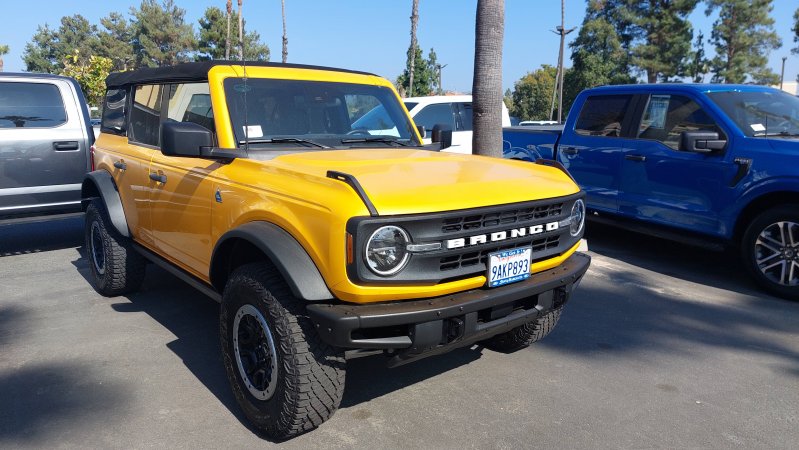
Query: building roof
[(196, 71)]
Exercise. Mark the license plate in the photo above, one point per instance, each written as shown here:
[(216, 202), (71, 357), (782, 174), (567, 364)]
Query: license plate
[(509, 266)]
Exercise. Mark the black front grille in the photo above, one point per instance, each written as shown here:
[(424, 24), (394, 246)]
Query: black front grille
[(497, 218), (475, 258)]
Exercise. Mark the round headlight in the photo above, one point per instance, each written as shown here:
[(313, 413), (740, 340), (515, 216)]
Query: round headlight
[(385, 250), (577, 218)]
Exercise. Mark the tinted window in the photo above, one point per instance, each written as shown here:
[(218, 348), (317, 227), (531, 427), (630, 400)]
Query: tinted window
[(667, 116), (431, 115), (410, 105), (466, 117), (761, 113), (190, 102), (145, 115), (31, 105), (602, 115), (114, 111)]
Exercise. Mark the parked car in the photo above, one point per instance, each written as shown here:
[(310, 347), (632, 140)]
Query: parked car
[(451, 111), (45, 137), (711, 165), (319, 237)]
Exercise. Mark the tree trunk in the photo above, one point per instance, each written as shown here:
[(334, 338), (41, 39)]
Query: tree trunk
[(285, 37), (241, 34), (412, 56), (487, 83), (227, 39)]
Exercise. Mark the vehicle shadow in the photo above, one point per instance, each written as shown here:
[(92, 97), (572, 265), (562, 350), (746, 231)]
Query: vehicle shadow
[(39, 237)]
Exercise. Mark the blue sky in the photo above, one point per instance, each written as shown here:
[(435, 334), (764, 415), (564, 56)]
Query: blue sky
[(373, 35)]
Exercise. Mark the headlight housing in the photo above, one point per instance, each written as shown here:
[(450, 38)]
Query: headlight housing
[(577, 218), (385, 251)]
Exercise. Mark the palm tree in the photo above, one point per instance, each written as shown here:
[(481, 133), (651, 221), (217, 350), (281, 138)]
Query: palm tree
[(241, 34), (3, 51), (487, 82), (412, 52), (285, 38), (227, 39)]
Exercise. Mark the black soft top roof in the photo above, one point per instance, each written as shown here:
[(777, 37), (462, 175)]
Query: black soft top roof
[(195, 71)]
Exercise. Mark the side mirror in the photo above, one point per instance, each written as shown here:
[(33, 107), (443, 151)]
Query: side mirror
[(701, 141), (422, 131), (442, 133), (185, 139)]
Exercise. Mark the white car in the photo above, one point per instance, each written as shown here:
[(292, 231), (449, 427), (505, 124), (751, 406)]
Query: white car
[(452, 110)]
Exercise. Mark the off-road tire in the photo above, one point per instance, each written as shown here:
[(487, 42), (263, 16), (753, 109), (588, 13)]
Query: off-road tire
[(122, 268), (310, 373), (749, 252), (524, 335)]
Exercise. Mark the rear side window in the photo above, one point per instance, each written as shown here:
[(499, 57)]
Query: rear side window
[(145, 115), (667, 116), (432, 115), (114, 112), (603, 115), (31, 105)]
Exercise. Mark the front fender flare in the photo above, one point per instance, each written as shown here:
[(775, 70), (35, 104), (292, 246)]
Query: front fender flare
[(290, 258), (101, 184)]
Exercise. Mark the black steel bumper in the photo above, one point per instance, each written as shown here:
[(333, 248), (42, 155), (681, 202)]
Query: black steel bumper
[(415, 329)]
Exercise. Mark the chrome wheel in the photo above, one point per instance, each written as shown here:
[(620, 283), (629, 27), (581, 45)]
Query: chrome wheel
[(777, 253), (255, 352), (97, 248)]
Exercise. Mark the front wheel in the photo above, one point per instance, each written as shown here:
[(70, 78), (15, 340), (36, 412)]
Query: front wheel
[(285, 378), (770, 250), (524, 335)]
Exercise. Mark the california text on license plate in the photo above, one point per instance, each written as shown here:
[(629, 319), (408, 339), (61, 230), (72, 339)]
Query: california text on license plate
[(508, 266)]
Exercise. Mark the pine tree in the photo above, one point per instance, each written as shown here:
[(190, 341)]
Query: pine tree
[(424, 76), (743, 36), (213, 34), (115, 41), (49, 48), (161, 37)]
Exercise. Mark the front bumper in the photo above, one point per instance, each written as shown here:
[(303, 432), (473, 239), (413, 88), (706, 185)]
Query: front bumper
[(414, 329)]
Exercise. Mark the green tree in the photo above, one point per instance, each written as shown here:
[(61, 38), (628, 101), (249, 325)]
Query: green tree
[(699, 63), (424, 76), (743, 36), (90, 74), (532, 94), (161, 37), (795, 30), (3, 51), (48, 49), (116, 37), (489, 32), (663, 37), (213, 34)]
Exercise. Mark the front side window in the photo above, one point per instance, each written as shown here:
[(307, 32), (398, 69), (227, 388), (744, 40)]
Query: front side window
[(761, 113), (145, 115), (190, 102), (307, 113), (432, 115), (31, 105), (666, 117), (603, 115)]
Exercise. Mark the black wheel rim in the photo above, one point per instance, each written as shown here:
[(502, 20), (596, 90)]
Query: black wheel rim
[(97, 249), (255, 353), (777, 253)]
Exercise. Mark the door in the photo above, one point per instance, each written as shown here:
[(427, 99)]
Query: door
[(592, 151), (662, 182), (181, 192), (42, 147)]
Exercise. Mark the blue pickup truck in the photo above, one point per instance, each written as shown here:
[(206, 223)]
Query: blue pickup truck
[(710, 165)]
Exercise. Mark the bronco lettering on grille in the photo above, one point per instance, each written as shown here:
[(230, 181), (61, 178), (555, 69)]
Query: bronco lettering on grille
[(500, 235)]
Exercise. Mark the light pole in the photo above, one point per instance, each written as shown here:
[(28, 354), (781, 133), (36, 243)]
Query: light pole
[(562, 31), (782, 72)]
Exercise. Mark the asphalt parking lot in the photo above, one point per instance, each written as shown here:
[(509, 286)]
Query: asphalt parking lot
[(663, 346)]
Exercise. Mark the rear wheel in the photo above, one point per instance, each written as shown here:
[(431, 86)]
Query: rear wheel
[(116, 267), (284, 377), (770, 250), (524, 335)]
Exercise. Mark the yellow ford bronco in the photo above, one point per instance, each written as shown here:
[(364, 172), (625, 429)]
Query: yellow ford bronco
[(302, 199)]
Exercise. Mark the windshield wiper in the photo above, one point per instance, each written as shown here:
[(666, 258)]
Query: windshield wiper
[(374, 139), (283, 141)]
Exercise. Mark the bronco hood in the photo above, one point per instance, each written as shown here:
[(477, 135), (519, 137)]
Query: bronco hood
[(417, 181)]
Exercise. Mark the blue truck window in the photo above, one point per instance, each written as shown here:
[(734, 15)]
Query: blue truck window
[(666, 117), (602, 115)]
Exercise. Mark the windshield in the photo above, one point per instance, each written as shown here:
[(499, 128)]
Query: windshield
[(763, 113), (315, 115)]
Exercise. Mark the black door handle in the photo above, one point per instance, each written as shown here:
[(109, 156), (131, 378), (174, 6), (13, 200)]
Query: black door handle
[(570, 151), (638, 158), (65, 145), (158, 177), (120, 165)]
